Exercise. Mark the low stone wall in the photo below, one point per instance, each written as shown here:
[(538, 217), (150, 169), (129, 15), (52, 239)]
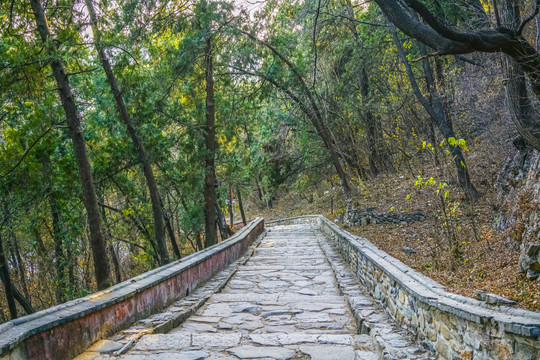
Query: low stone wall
[(453, 326), (64, 331)]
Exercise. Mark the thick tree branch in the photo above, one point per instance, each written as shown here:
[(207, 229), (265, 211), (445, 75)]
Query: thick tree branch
[(530, 17)]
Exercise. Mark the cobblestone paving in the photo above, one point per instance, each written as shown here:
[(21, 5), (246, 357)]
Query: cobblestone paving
[(283, 303)]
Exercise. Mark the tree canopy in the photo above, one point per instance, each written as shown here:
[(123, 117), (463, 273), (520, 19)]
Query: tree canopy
[(129, 129)]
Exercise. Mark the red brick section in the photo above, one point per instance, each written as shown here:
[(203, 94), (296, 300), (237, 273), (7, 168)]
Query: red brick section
[(73, 329)]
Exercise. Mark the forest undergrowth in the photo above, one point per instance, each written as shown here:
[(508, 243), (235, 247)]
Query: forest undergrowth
[(456, 244)]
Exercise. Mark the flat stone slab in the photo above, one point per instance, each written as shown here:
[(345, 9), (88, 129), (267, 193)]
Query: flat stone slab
[(163, 342), (328, 352), (106, 347), (182, 355), (261, 352), (216, 340), (283, 303)]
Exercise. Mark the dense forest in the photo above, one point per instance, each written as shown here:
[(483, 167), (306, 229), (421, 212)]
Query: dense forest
[(131, 131)]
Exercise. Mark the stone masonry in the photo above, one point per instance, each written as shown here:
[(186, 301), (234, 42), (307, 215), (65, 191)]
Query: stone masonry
[(453, 326), (293, 299)]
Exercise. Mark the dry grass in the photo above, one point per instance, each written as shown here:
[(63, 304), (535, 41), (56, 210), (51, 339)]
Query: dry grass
[(465, 254)]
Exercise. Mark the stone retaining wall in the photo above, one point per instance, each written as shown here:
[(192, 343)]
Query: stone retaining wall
[(453, 326), (64, 331)]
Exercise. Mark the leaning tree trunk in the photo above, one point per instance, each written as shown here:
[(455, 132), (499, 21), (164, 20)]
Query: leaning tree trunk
[(241, 206), (110, 245), (22, 300), (436, 113), (97, 243), (373, 124), (313, 113), (444, 124), (172, 237), (20, 266), (446, 40), (157, 210)]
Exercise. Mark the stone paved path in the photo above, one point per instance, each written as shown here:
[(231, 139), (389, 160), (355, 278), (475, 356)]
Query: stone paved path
[(283, 303)]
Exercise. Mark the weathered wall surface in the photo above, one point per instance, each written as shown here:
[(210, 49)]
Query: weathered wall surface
[(519, 207), (453, 326), (64, 331)]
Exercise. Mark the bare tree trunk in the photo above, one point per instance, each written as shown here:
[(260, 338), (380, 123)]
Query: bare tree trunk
[(231, 208), (259, 191), (157, 210), (210, 176), (110, 247), (372, 126), (224, 229), (6, 280), (97, 243), (20, 265), (440, 87), (241, 205), (172, 237), (58, 232), (169, 223), (436, 113), (434, 32), (520, 105), (310, 108), (199, 242), (23, 301)]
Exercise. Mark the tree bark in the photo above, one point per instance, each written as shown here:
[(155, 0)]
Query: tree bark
[(447, 40), (6, 280), (172, 237), (210, 174), (20, 266), (157, 210), (22, 300), (110, 247), (224, 229), (520, 106), (231, 208), (97, 243), (169, 221), (436, 113), (199, 242), (58, 231), (241, 205), (313, 113), (373, 125)]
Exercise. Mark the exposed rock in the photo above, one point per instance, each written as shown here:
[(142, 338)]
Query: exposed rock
[(529, 260), (408, 250), (370, 217), (519, 207)]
